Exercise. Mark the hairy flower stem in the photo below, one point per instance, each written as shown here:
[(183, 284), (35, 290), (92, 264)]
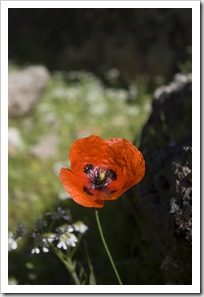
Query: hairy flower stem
[(106, 247)]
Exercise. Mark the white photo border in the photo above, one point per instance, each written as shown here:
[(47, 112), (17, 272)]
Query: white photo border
[(195, 287)]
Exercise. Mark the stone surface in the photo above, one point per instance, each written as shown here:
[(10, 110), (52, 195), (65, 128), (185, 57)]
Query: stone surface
[(171, 118), (15, 142), (47, 147), (25, 89), (165, 201)]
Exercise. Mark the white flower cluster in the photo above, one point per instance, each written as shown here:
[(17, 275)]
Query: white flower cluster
[(12, 243), (44, 243), (65, 237), (80, 227)]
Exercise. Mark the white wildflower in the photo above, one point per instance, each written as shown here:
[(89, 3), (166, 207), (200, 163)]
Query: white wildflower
[(50, 237), (80, 227), (35, 250), (12, 244), (67, 239), (65, 228), (45, 250)]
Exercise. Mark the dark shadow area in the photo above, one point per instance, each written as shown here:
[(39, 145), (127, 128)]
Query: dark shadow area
[(135, 41)]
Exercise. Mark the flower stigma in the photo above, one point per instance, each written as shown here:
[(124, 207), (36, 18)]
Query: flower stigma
[(101, 176)]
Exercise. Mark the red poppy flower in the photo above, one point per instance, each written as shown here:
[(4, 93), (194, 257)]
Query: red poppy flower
[(101, 170)]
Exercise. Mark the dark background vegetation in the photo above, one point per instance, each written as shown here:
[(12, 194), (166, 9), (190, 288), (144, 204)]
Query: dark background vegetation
[(150, 43), (154, 42)]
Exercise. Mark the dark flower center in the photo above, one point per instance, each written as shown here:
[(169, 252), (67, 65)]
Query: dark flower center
[(99, 179)]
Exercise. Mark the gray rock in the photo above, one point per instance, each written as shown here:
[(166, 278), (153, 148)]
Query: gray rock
[(165, 201), (25, 89), (15, 142), (46, 148), (171, 118)]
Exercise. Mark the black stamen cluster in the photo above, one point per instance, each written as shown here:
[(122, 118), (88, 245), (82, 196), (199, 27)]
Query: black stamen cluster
[(95, 181)]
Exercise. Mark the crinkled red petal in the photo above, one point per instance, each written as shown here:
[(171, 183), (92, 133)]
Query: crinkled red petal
[(88, 150), (126, 160), (74, 186)]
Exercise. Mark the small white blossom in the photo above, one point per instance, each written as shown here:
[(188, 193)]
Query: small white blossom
[(67, 239), (70, 229), (65, 228), (43, 243), (35, 250), (12, 244), (62, 245), (50, 237), (45, 250), (80, 227)]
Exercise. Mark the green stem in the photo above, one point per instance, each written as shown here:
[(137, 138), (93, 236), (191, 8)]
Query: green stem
[(73, 251), (106, 247), (71, 267), (92, 279), (68, 263)]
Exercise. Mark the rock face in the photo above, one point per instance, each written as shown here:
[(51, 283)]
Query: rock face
[(166, 191), (46, 148), (15, 142), (25, 89)]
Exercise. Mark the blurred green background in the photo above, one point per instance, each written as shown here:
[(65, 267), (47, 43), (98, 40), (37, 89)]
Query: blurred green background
[(104, 65)]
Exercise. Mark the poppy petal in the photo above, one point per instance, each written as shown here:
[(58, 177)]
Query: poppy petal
[(126, 160), (89, 150), (74, 186)]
